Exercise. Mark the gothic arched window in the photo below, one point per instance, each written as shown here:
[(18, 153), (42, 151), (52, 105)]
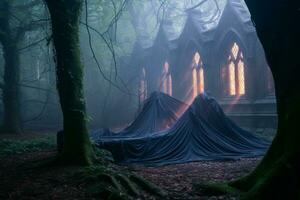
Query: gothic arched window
[(236, 71), (197, 75), (166, 79)]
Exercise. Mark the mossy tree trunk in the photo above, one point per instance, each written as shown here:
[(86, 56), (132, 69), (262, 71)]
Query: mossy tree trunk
[(10, 86), (278, 176), (65, 16)]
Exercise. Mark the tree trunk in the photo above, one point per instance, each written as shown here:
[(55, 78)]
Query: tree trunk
[(277, 176), (65, 16), (11, 89)]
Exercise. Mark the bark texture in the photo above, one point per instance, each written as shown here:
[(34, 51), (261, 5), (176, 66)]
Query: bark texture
[(65, 16)]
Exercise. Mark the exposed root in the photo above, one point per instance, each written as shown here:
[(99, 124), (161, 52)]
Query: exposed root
[(109, 183), (128, 185)]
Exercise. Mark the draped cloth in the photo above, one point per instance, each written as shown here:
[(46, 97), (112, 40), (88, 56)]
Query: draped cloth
[(203, 132), (160, 111)]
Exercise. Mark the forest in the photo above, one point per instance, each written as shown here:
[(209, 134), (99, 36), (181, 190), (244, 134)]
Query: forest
[(149, 99)]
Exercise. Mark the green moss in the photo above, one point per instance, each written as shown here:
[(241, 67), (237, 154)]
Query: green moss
[(65, 16), (14, 147), (280, 182), (103, 156)]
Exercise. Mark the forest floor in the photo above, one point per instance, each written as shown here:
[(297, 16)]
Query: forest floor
[(21, 179)]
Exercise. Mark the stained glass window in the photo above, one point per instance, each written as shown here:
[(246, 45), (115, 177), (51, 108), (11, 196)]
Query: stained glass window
[(236, 71), (197, 58), (169, 89), (166, 79), (197, 75), (232, 88), (235, 50), (195, 92), (241, 77), (201, 77)]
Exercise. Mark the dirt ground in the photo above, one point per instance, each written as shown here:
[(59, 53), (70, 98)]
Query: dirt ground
[(20, 180), (17, 181)]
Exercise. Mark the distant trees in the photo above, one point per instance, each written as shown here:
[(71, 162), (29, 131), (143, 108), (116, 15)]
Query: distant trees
[(10, 88), (12, 31), (65, 15)]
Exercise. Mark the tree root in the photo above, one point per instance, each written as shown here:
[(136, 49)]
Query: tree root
[(108, 183), (280, 182), (126, 183)]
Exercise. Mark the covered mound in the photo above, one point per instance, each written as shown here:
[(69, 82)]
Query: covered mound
[(203, 132), (159, 112)]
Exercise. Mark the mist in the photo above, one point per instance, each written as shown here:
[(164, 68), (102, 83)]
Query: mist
[(149, 99), (117, 40)]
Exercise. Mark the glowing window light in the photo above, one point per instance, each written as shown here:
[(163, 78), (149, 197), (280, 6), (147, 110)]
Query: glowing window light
[(164, 77), (197, 58), (241, 78), (235, 50), (166, 67), (201, 80), (170, 85), (236, 71), (165, 87), (197, 75), (166, 80), (232, 88), (195, 92)]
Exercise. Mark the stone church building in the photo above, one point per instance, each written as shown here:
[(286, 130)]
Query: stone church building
[(219, 54)]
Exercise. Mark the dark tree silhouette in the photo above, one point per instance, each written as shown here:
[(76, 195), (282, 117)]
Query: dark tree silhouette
[(277, 176), (65, 15)]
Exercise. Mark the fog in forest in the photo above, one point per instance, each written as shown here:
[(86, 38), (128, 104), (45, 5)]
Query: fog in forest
[(149, 99), (119, 40)]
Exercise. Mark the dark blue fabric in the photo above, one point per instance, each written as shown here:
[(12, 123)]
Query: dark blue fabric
[(159, 112), (203, 132)]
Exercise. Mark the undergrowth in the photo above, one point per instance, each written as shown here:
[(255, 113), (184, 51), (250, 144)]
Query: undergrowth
[(102, 180), (15, 147)]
